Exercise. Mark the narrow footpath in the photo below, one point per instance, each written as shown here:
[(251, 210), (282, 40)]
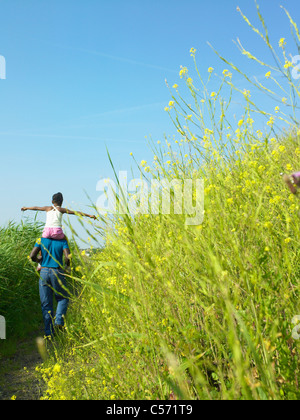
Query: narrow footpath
[(18, 378)]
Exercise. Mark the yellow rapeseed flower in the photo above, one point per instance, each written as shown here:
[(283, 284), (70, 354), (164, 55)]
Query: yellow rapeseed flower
[(282, 148), (183, 71), (57, 368), (287, 64), (282, 42)]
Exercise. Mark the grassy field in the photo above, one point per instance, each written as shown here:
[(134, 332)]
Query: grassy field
[(172, 311), (19, 298)]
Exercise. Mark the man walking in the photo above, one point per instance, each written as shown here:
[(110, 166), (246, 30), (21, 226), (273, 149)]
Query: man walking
[(52, 280)]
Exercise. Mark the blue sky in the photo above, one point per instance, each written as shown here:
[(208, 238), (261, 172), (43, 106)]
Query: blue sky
[(86, 75)]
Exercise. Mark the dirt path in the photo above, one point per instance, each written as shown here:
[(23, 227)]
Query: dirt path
[(17, 381)]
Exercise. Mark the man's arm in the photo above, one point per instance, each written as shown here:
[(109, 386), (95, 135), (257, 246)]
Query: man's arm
[(46, 208), (67, 257), (77, 213), (67, 261), (34, 256)]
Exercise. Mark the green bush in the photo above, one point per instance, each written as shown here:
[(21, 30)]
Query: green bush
[(19, 295)]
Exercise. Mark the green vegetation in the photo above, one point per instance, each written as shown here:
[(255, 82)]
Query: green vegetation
[(171, 311), (19, 295)]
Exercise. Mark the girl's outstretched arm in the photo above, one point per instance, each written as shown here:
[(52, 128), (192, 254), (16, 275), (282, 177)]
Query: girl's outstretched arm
[(78, 213), (46, 208)]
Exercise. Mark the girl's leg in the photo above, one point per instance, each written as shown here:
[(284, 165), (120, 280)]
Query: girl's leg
[(56, 233), (46, 233)]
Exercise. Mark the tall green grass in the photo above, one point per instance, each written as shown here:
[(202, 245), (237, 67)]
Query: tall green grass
[(19, 298), (170, 311)]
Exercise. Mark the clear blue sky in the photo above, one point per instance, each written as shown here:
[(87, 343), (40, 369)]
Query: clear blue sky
[(83, 75)]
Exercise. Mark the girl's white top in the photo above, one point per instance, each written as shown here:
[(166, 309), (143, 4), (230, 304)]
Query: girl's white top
[(54, 218)]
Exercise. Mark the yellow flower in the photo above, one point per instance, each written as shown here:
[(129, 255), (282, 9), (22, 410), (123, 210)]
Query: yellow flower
[(289, 167), (240, 123), (57, 368), (213, 94), (282, 149), (175, 86), (171, 103), (247, 93), (183, 71), (277, 109), (193, 51), (226, 73), (282, 42), (287, 240), (13, 398), (268, 75), (287, 64), (210, 70)]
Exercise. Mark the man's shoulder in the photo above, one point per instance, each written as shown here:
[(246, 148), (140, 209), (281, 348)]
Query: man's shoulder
[(53, 242), (60, 242)]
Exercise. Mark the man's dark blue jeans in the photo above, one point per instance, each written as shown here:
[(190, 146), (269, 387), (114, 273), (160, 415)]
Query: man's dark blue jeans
[(53, 282)]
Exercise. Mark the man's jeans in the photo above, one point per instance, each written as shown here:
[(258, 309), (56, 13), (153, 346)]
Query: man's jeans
[(52, 281)]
